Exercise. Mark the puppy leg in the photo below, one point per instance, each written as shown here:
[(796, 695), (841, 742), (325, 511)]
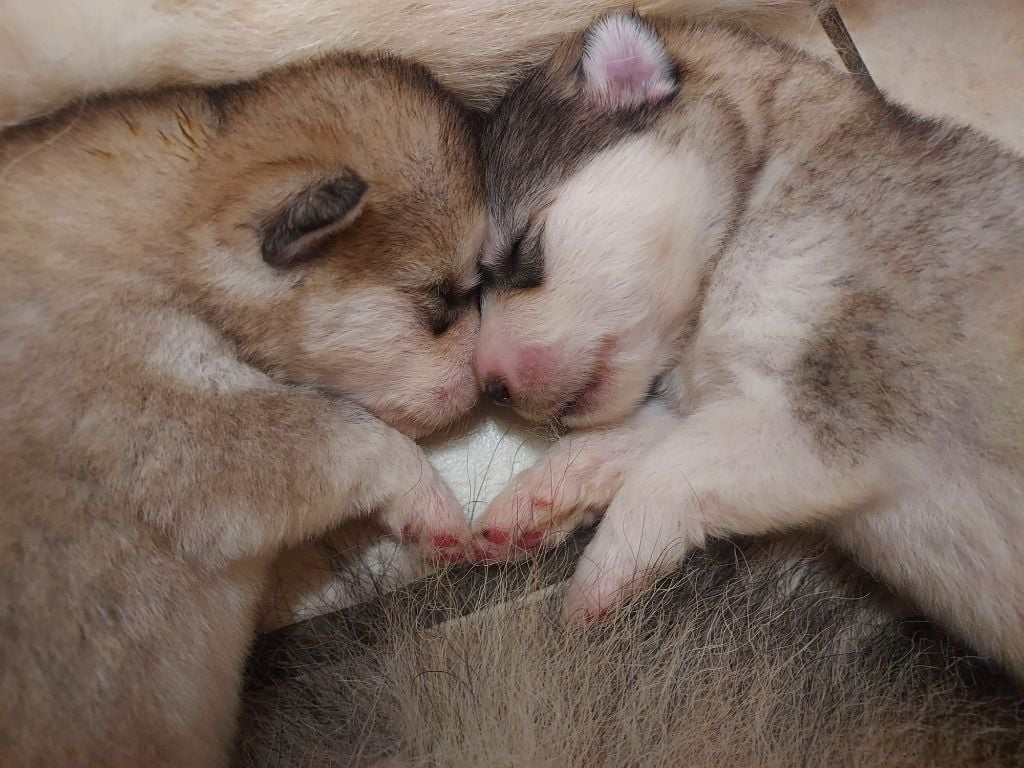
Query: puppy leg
[(235, 477), (577, 478), (129, 651), (735, 467)]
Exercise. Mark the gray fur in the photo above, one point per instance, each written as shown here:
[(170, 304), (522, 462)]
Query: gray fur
[(753, 654)]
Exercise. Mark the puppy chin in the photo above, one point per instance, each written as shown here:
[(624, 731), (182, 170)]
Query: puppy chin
[(429, 421), (604, 405), (620, 393), (414, 429), (612, 407)]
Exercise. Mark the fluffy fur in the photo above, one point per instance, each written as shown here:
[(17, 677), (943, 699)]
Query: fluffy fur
[(221, 310), (755, 654), (57, 50), (824, 288)]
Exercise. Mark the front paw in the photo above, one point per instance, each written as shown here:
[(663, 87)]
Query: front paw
[(648, 530), (544, 503), (427, 516)]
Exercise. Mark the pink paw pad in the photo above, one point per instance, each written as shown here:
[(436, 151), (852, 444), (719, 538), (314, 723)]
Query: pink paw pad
[(530, 538), (444, 541), (495, 536)]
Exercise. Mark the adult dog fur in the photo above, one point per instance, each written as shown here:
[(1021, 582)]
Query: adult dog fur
[(219, 309), (755, 653), (53, 51)]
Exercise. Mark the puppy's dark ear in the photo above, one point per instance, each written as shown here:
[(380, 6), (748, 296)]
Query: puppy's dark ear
[(625, 64), (308, 218)]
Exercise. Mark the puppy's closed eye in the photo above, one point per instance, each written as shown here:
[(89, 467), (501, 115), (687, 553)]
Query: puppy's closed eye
[(445, 304), (521, 266), (312, 215)]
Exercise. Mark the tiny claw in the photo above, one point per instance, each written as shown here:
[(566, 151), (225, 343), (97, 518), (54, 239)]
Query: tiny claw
[(495, 536), (409, 534)]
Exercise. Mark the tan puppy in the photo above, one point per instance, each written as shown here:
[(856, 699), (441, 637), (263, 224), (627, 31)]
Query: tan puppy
[(217, 307)]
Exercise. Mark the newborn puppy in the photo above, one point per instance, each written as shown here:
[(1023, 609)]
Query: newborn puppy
[(824, 290), (225, 313)]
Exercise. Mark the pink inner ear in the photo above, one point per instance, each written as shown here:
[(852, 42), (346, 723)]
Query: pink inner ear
[(630, 72), (625, 64)]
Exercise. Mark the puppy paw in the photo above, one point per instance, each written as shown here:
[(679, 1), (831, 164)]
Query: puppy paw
[(646, 532), (544, 503), (428, 517)]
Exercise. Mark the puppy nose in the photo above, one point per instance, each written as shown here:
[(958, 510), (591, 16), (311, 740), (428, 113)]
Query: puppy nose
[(497, 390)]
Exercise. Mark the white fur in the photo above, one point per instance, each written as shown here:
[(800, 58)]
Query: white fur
[(624, 206), (731, 468)]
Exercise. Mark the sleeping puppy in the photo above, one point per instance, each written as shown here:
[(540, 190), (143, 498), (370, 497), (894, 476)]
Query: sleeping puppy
[(824, 290), (225, 313)]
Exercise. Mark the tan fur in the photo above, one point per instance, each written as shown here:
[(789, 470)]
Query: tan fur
[(53, 51), (176, 410)]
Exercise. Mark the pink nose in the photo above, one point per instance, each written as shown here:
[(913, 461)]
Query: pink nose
[(509, 374)]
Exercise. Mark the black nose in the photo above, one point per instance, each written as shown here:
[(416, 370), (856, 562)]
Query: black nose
[(497, 390)]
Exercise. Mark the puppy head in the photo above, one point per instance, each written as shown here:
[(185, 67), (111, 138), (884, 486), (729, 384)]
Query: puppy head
[(337, 229), (610, 175)]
